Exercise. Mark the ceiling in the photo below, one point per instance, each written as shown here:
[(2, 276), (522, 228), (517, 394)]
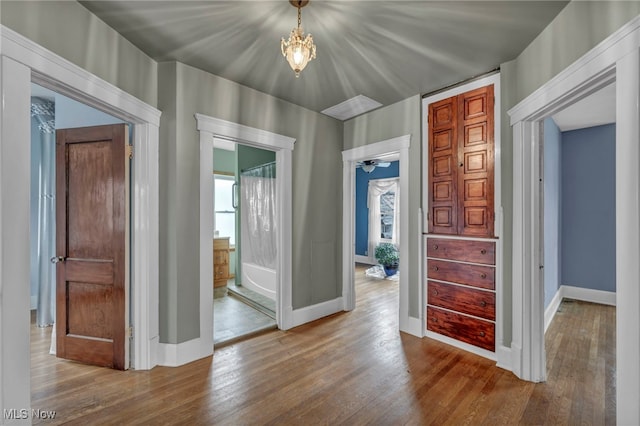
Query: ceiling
[(385, 50), (595, 110)]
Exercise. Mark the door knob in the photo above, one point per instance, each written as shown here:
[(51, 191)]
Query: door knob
[(57, 259)]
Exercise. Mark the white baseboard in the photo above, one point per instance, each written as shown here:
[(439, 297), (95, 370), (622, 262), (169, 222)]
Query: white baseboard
[(364, 259), (314, 312), (576, 293), (176, 354), (589, 295), (551, 310), (461, 345), (411, 326), (504, 358)]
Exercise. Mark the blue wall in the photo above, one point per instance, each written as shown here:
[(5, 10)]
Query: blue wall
[(552, 209), (362, 212), (588, 208)]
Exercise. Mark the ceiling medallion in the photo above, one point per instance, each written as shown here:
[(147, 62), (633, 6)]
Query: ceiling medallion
[(298, 50)]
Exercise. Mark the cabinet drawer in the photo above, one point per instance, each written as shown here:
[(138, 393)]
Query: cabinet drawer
[(462, 273), (470, 301), (474, 331), (464, 250)]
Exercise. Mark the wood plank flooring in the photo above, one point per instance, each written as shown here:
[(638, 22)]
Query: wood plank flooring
[(350, 368)]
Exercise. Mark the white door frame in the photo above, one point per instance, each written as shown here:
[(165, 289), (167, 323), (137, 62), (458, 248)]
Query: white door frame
[(350, 157), (24, 62), (617, 59), (210, 127)]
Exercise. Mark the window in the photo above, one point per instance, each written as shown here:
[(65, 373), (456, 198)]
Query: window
[(224, 207), (387, 202)]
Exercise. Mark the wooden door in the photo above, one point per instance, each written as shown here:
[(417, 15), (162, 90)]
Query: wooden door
[(461, 163), (92, 212), (443, 159), (476, 162)]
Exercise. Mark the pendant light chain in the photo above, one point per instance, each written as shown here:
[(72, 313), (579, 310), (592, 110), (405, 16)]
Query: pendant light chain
[(299, 15)]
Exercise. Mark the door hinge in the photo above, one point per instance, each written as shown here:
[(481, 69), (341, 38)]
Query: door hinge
[(129, 332), (130, 151)]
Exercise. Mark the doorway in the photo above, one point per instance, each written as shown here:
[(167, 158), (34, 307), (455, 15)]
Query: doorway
[(245, 241), (396, 148), (24, 62), (593, 71)]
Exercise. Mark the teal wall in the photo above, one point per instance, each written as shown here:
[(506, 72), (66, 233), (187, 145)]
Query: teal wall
[(224, 161)]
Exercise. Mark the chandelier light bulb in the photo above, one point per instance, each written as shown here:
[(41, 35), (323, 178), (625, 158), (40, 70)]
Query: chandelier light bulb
[(298, 49)]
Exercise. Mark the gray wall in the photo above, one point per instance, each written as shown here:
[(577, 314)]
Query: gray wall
[(552, 209), (71, 31), (578, 28), (395, 120), (589, 208), (317, 189)]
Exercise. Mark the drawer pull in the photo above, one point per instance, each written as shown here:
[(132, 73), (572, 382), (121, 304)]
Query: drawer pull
[(435, 268), (483, 303), (483, 275), (434, 319), (435, 247), (481, 334), (483, 251), (435, 292), (461, 164)]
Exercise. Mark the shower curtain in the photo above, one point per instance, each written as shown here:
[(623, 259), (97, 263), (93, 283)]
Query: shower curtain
[(43, 273), (258, 215)]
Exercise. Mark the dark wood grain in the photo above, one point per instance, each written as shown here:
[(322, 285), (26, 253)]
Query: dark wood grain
[(473, 251), (462, 273), (480, 303), (442, 180), (476, 163), (92, 212), (470, 330)]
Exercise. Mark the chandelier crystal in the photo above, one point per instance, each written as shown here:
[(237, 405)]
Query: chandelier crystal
[(298, 50)]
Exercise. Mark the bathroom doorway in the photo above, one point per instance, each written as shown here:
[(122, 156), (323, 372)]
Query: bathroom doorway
[(245, 241)]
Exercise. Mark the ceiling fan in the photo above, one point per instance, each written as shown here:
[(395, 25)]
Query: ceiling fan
[(369, 165)]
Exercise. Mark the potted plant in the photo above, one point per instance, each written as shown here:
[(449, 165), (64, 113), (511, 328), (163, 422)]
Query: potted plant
[(387, 255)]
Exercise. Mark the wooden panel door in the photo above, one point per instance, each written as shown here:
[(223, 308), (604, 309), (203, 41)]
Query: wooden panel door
[(461, 163), (443, 152), (92, 212), (476, 162)]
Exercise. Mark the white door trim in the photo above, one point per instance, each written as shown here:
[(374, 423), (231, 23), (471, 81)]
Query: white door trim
[(617, 58), (349, 159), (24, 61), (210, 127)]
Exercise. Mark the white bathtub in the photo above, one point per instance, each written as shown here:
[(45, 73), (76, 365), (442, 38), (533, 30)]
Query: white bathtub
[(259, 279)]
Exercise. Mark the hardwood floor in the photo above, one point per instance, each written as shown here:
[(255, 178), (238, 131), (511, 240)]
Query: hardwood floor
[(349, 368)]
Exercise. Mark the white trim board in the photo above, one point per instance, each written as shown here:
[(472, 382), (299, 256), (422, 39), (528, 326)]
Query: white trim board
[(364, 259), (576, 293), (24, 62), (617, 59), (210, 129), (349, 159), (317, 311)]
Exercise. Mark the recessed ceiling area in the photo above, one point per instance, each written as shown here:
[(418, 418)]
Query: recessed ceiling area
[(596, 109), (384, 50)]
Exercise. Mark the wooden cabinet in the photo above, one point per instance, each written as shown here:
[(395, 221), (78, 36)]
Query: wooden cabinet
[(460, 288), (220, 262), (461, 164)]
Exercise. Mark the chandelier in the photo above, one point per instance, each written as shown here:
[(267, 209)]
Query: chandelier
[(298, 50)]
